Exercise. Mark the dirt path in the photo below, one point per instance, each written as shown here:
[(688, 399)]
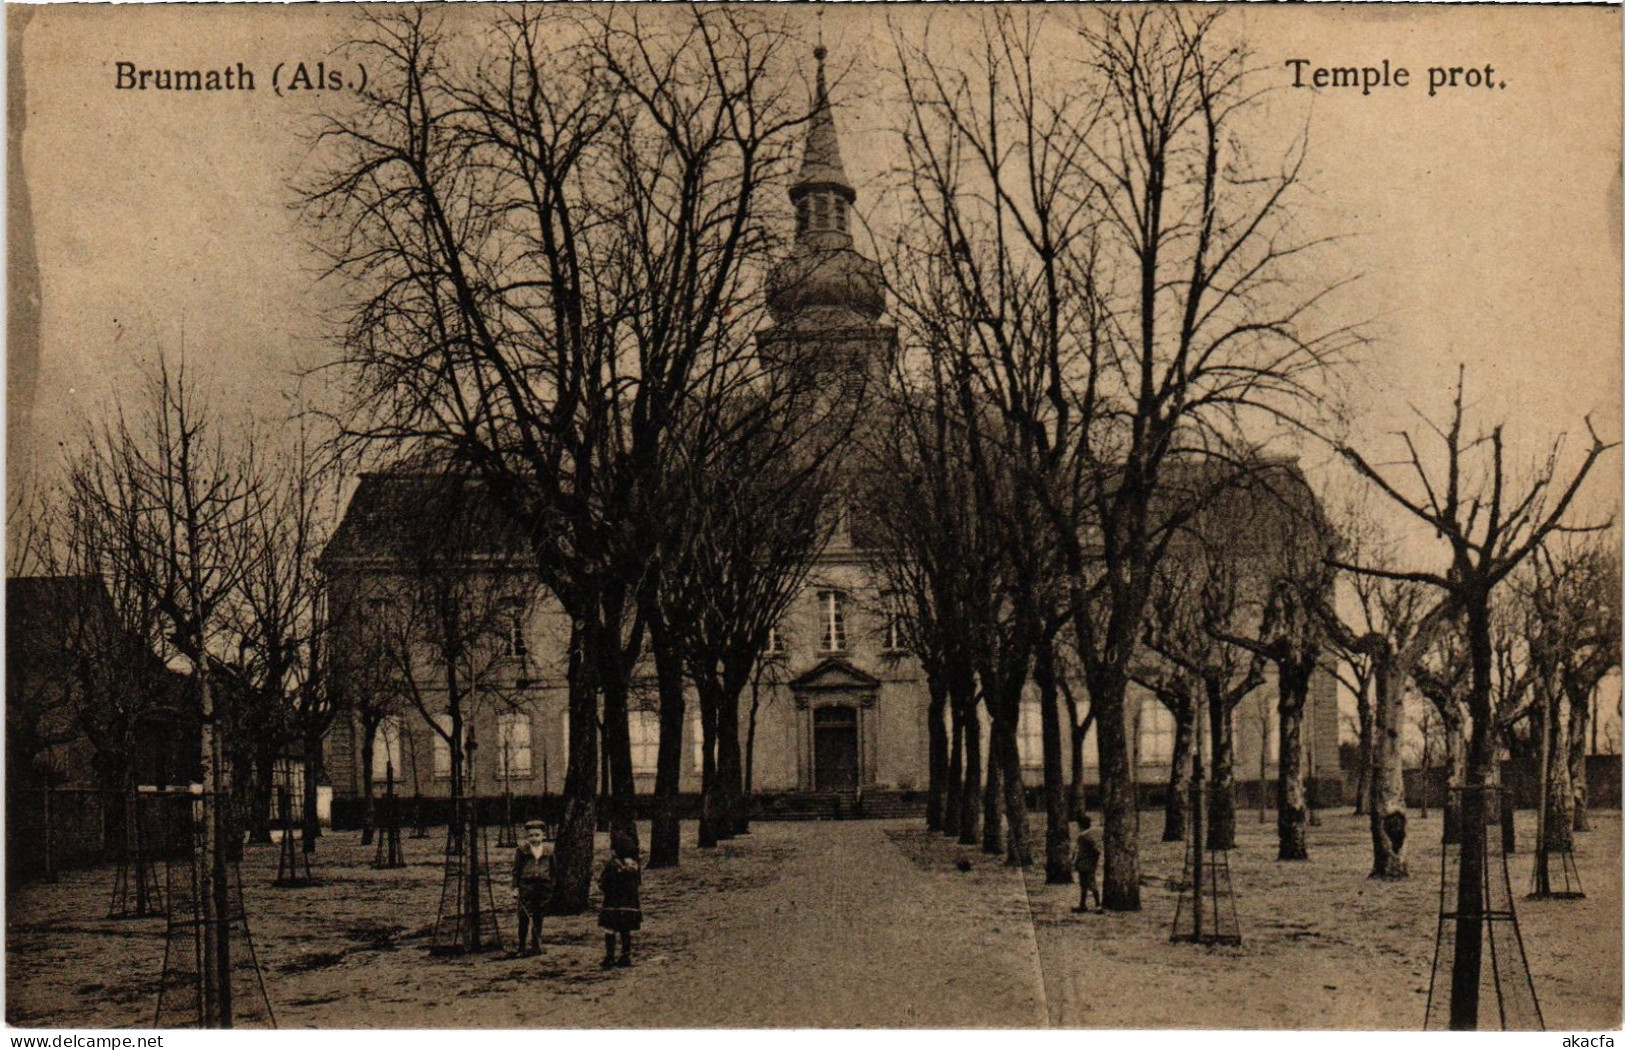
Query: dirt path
[(851, 934)]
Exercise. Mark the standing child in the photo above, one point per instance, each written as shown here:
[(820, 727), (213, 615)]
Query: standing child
[(1085, 861), (532, 885), (621, 913)]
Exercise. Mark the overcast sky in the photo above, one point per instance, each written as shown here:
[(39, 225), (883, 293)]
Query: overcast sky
[(1485, 222)]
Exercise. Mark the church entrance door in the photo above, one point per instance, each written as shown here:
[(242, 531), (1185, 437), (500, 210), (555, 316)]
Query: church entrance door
[(835, 748)]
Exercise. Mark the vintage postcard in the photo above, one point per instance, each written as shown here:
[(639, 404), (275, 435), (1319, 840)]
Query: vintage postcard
[(747, 516)]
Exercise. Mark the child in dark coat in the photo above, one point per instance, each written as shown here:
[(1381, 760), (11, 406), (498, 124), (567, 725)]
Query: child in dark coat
[(621, 913), (1085, 861), (532, 885)]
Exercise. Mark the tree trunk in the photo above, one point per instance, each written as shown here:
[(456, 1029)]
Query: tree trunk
[(1364, 756), (1018, 844), (993, 792), (1179, 774), (1455, 758), (259, 812), (573, 862), (1558, 824), (1221, 805), (312, 768), (710, 804), (970, 793), (1078, 792), (1057, 845), (730, 767), (937, 750), (1579, 725), (956, 774), (1470, 904), (1291, 792), (1387, 780), (665, 832), (1119, 806), (730, 764), (1291, 801), (614, 680), (369, 810)]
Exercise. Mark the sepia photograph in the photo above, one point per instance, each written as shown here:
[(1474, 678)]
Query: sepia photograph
[(741, 516)]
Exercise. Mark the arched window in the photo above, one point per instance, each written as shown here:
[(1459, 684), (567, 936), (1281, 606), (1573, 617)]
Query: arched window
[(832, 617)]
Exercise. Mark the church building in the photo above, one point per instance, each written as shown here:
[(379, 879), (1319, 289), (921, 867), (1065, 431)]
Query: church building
[(840, 705)]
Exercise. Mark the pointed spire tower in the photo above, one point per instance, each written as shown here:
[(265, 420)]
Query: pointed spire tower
[(825, 297)]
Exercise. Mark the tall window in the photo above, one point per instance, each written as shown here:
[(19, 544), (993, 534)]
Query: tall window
[(645, 729), (775, 642), (1030, 733), (386, 748), (892, 640), (513, 745), (442, 750), (1156, 732), (697, 736), (832, 613), (513, 630)]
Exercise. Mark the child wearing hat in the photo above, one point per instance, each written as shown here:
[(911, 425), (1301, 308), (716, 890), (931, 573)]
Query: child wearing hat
[(621, 913), (532, 885)]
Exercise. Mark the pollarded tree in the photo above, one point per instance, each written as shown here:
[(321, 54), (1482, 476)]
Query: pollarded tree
[(1211, 604), (1176, 688), (1286, 521), (1574, 643), (1490, 523)]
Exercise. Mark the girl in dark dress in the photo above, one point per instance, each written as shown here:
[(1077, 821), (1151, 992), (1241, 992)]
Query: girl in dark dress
[(620, 913)]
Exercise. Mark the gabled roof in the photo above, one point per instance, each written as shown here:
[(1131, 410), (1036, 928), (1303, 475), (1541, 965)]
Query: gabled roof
[(404, 515), (834, 673)]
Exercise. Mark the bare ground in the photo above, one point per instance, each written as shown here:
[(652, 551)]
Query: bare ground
[(859, 924)]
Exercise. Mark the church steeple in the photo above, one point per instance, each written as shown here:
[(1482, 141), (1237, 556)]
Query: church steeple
[(821, 192), (824, 282)]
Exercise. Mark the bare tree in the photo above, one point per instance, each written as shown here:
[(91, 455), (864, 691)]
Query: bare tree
[(1126, 273), (1209, 605), (546, 244), (174, 493), (289, 613), (738, 569), (1491, 523), (1286, 521), (1177, 689), (932, 560), (1573, 635)]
